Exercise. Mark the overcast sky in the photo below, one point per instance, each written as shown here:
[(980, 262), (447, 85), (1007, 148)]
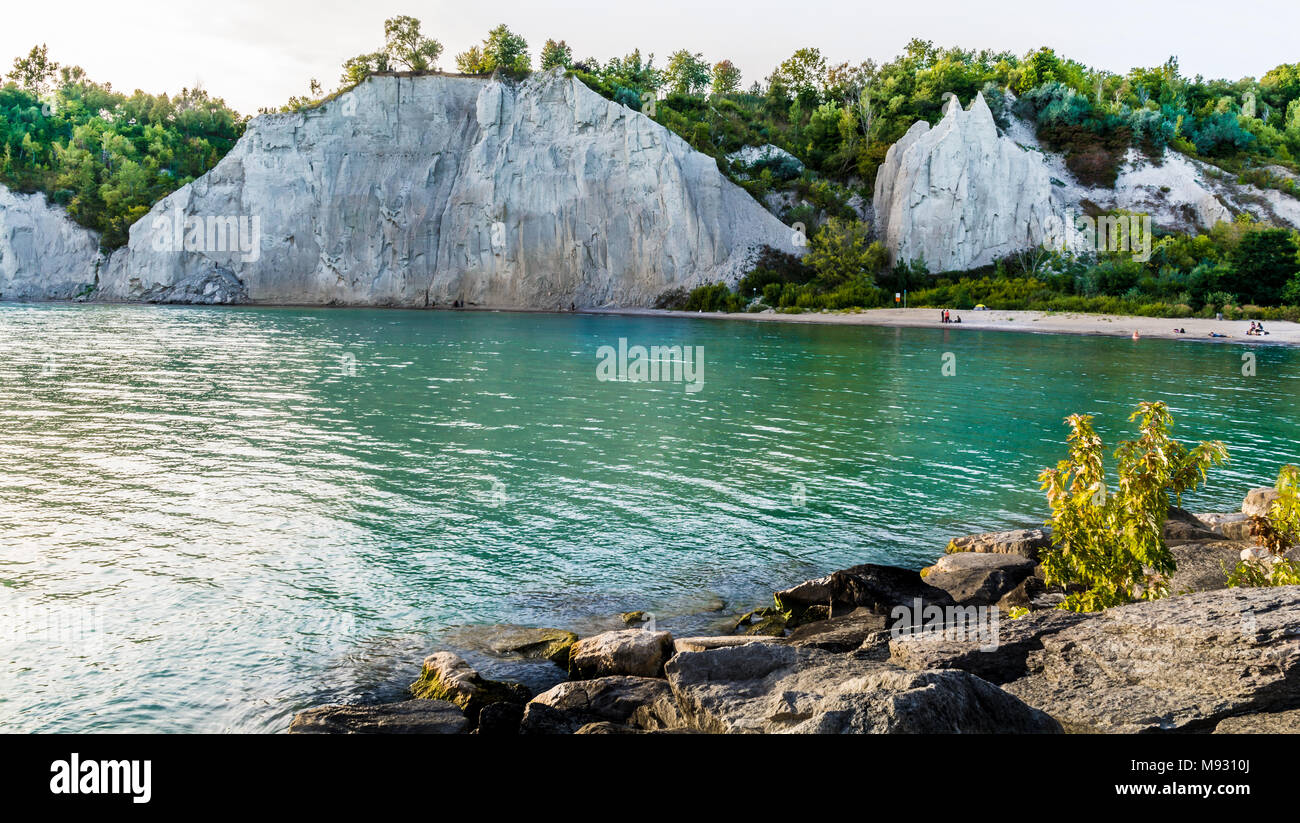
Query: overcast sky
[(257, 53)]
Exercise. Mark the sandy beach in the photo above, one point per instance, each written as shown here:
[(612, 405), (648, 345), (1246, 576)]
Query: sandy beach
[(1197, 329)]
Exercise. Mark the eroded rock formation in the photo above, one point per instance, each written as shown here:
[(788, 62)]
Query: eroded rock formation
[(959, 195), (43, 254), (426, 190)]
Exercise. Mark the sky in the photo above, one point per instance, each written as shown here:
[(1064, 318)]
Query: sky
[(258, 53)]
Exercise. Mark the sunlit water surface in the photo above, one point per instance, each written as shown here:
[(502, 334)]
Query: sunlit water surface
[(211, 518)]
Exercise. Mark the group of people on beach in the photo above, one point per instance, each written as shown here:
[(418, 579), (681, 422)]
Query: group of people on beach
[(946, 317), (1256, 329)]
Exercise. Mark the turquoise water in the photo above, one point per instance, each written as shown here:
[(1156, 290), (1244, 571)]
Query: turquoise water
[(211, 518)]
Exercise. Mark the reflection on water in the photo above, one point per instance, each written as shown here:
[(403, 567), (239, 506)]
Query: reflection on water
[(210, 518)]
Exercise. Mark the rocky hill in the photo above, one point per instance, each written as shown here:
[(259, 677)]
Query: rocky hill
[(960, 195), (436, 190), (425, 191), (965, 193), (43, 254)]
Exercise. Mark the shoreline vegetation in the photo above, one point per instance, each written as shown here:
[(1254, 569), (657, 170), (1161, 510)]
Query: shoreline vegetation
[(1091, 623)]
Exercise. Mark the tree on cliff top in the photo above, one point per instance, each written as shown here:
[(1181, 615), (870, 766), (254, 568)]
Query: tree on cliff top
[(503, 49), (686, 73), (556, 54), (726, 77), (404, 46), (33, 72)]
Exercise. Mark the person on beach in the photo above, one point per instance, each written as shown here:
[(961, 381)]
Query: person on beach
[(1136, 335)]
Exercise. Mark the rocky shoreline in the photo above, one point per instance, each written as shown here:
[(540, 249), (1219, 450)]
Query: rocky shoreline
[(971, 644)]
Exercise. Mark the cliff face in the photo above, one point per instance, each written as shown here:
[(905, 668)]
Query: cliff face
[(43, 254), (417, 191), (959, 195)]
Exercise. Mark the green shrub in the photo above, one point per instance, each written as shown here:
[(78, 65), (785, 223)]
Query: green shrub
[(1108, 547), (715, 297), (774, 267)]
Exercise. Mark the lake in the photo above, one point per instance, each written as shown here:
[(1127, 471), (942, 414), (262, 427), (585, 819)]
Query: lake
[(212, 518)]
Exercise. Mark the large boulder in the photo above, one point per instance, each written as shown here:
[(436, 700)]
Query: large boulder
[(407, 717), (1177, 664), (978, 579), (770, 688), (633, 652), (1258, 502), (1000, 661), (701, 644), (1181, 526), (1232, 525), (533, 644), (959, 195), (878, 588), (1203, 565), (843, 633), (1024, 542), (499, 719), (446, 676), (639, 702)]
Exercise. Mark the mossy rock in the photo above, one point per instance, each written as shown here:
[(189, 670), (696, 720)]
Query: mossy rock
[(550, 644), (530, 643), (810, 614), (447, 677), (765, 622)]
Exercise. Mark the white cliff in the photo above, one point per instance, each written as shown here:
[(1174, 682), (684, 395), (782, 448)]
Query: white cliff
[(959, 195), (43, 254), (425, 190)]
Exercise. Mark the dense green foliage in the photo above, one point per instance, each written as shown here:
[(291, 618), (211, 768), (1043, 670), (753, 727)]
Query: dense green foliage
[(840, 119), (1241, 269), (502, 49), (1108, 547), (105, 156)]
